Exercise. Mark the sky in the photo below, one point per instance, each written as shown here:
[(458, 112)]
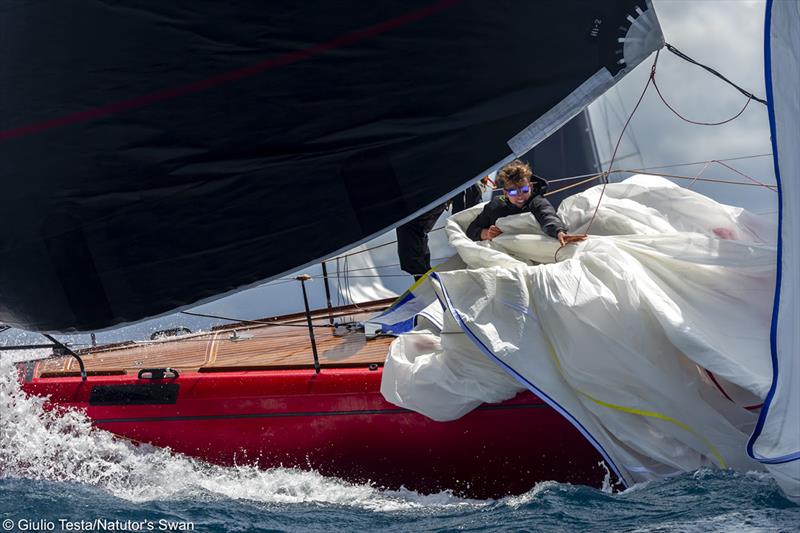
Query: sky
[(726, 35)]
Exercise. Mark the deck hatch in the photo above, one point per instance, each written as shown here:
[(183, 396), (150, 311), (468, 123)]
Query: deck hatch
[(135, 394)]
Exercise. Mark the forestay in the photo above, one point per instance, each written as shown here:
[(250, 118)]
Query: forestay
[(652, 337)]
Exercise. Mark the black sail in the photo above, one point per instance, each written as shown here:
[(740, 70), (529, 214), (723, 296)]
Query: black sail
[(157, 154)]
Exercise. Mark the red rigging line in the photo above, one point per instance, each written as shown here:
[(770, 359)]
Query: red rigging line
[(774, 187), (755, 183), (725, 394), (302, 54), (619, 140), (605, 174), (652, 79), (641, 170), (698, 123)]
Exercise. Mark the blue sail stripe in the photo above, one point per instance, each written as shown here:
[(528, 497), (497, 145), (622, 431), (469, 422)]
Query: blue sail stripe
[(773, 336), (448, 304)]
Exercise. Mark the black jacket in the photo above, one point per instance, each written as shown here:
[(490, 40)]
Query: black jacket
[(500, 207)]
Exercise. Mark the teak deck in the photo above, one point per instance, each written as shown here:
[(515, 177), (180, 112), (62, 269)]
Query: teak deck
[(283, 344)]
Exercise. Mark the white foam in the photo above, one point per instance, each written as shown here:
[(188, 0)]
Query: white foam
[(523, 499), (17, 356), (41, 444)]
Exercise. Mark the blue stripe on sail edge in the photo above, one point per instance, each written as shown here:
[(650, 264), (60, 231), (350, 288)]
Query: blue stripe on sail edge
[(527, 384), (773, 335)]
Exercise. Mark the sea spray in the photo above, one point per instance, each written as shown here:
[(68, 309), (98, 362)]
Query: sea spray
[(55, 466), (61, 445)]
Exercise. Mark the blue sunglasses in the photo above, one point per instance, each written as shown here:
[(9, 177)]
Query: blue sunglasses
[(514, 192)]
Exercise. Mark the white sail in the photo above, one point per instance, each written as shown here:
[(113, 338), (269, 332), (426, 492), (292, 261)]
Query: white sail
[(776, 439), (652, 337)]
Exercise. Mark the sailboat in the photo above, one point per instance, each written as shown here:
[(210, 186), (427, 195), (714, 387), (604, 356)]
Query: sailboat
[(143, 208), (266, 392)]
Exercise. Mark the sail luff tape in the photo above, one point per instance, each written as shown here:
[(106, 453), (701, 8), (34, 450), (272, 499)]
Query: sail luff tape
[(403, 300), (411, 289), (447, 305), (561, 113)]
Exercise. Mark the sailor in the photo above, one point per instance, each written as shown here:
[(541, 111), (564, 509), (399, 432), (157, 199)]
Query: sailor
[(469, 197), (412, 237), (519, 195), (412, 242)]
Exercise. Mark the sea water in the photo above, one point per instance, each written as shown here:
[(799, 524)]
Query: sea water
[(57, 473)]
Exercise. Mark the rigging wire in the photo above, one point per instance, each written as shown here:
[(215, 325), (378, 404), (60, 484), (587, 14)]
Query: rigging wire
[(573, 185), (675, 165), (374, 247), (258, 322), (207, 337), (373, 276), (750, 96), (696, 122), (755, 183), (694, 178), (683, 56), (619, 140), (652, 79), (376, 267), (745, 175), (616, 148), (348, 288), (709, 161), (697, 176)]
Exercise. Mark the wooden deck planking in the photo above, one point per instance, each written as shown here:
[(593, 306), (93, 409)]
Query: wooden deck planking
[(257, 347)]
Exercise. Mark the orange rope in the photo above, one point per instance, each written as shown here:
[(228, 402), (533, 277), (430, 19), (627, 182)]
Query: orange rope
[(616, 148)]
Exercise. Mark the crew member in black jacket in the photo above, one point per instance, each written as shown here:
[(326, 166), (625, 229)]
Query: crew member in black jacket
[(519, 196), (412, 237)]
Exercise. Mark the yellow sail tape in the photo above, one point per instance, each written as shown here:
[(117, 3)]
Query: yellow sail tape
[(423, 278), (660, 416), (640, 412), (416, 284)]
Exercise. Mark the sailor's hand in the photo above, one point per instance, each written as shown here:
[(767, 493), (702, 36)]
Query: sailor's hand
[(490, 233), (565, 238)]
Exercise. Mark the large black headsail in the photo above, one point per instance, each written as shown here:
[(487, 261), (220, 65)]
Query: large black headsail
[(156, 154)]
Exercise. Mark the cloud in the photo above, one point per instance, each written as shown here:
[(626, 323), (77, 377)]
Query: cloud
[(728, 37)]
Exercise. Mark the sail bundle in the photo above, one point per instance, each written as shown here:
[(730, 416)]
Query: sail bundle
[(652, 337)]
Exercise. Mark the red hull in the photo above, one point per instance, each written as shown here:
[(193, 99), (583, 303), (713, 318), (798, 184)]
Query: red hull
[(337, 423)]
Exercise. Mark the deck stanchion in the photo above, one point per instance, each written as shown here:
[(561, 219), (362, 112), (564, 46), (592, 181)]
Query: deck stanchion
[(302, 279), (67, 351), (327, 292)]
